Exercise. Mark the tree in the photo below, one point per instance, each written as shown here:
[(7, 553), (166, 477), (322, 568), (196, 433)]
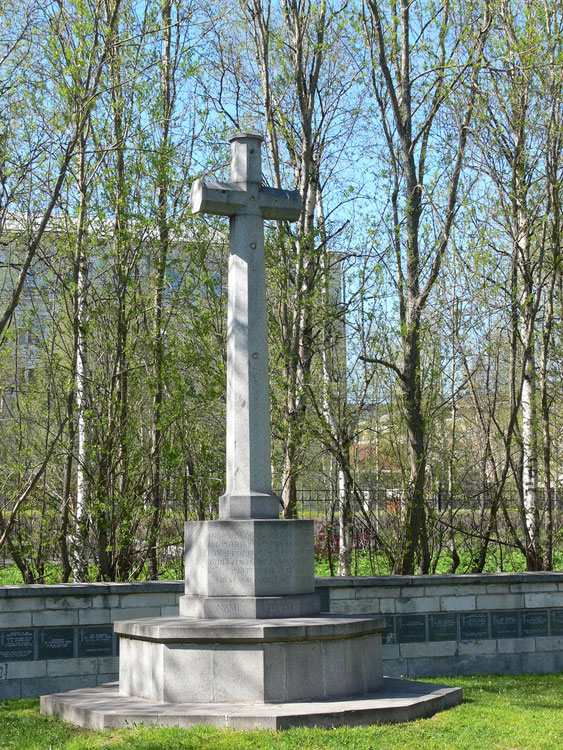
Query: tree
[(308, 104), (520, 145), (52, 66), (63, 29), (419, 59)]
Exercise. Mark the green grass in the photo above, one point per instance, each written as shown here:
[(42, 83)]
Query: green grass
[(498, 713), (362, 565), (10, 575), (378, 565)]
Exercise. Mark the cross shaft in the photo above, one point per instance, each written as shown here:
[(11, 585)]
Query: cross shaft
[(248, 491)]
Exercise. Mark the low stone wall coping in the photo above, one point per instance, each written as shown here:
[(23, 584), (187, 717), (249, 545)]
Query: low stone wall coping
[(138, 587), (90, 589), (438, 580)]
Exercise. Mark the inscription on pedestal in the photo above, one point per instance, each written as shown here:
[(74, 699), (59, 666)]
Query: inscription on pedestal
[(442, 627), (473, 626), (95, 641), (236, 575), (16, 645), (227, 561), (504, 624), (533, 623), (249, 557), (411, 628), (56, 643)]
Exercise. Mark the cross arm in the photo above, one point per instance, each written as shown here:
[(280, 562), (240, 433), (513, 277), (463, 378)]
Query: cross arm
[(280, 204), (221, 198)]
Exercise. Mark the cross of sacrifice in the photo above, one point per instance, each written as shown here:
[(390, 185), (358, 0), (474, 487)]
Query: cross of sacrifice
[(247, 203)]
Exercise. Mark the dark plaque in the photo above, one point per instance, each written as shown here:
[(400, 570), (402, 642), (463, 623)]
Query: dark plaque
[(473, 626), (56, 643), (557, 622), (16, 645), (95, 641), (442, 627), (533, 623), (411, 628), (504, 624), (388, 635)]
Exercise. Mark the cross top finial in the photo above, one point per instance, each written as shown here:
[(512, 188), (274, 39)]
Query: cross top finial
[(246, 158)]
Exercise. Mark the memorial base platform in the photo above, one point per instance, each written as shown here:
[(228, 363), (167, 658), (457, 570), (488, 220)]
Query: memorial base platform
[(105, 707), (246, 673)]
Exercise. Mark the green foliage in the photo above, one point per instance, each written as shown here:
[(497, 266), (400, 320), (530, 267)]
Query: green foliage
[(311, 78)]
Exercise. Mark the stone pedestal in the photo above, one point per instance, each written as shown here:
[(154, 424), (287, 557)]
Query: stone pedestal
[(249, 629), (250, 648), (249, 568)]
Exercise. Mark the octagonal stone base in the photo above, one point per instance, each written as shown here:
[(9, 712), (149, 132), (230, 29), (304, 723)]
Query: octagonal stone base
[(181, 660)]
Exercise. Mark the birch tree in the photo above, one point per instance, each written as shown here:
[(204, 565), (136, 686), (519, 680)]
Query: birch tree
[(59, 26)]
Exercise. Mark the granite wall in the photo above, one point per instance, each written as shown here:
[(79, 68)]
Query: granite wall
[(55, 638), (459, 624)]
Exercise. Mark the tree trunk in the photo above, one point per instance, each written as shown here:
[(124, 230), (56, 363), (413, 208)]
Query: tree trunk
[(161, 261), (408, 143), (527, 308), (75, 398), (345, 517), (81, 522)]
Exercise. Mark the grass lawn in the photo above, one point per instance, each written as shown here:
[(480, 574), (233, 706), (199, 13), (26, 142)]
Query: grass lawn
[(507, 712)]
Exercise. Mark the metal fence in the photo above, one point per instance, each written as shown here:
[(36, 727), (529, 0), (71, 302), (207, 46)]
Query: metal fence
[(373, 510)]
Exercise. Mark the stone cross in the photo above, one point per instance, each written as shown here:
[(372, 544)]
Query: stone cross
[(247, 203)]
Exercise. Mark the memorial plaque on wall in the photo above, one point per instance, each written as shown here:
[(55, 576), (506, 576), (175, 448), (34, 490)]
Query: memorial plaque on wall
[(533, 622), (96, 641), (504, 624), (411, 628), (473, 626), (16, 645), (388, 635), (56, 643), (442, 627), (557, 622)]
